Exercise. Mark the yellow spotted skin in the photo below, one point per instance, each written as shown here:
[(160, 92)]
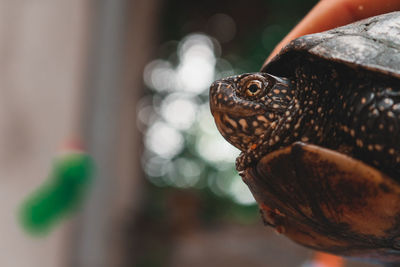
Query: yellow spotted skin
[(319, 130), (355, 109), (250, 118), (328, 104), (320, 153)]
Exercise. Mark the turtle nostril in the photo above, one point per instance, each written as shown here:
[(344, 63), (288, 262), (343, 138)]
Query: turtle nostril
[(214, 85), (218, 86), (220, 94)]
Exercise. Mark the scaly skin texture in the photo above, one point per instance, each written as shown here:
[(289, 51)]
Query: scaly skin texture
[(326, 104), (318, 129), (253, 123), (358, 111)]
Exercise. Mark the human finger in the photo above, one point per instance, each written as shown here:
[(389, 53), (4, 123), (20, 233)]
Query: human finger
[(328, 14)]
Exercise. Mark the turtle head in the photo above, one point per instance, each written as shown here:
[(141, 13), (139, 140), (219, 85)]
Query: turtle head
[(248, 108)]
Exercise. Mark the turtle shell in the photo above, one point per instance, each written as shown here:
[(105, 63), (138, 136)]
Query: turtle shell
[(372, 44), (328, 201), (324, 199)]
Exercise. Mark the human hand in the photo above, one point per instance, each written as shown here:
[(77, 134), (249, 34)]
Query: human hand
[(328, 14)]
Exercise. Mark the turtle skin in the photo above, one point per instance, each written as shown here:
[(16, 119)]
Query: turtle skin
[(318, 128)]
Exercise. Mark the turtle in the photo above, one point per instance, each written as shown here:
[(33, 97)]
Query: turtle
[(318, 128)]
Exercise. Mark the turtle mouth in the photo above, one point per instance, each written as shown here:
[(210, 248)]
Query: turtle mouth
[(236, 112), (238, 131)]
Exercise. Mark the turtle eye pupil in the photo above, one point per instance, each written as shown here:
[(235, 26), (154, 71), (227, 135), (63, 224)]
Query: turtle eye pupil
[(253, 88)]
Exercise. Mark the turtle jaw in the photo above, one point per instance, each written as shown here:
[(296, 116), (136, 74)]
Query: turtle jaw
[(243, 132), (240, 121)]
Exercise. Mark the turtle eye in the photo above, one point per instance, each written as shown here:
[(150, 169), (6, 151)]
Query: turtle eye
[(253, 87)]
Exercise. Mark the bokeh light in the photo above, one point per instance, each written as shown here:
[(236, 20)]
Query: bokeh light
[(195, 71), (159, 75), (240, 192), (164, 140), (186, 172), (183, 146), (155, 167), (179, 111)]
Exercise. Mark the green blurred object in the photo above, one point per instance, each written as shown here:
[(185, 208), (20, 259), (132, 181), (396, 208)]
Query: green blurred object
[(60, 195)]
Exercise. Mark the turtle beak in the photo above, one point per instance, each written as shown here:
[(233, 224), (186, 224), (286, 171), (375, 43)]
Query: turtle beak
[(223, 99), (221, 95)]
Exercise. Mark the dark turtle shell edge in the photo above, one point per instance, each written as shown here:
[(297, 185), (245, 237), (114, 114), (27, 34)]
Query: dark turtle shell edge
[(372, 44)]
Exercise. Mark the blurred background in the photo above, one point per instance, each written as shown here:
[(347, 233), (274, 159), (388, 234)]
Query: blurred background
[(130, 79)]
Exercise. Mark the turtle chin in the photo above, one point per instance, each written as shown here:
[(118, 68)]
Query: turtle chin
[(243, 132)]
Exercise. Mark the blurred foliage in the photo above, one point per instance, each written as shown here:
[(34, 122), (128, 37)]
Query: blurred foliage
[(259, 26), (174, 205)]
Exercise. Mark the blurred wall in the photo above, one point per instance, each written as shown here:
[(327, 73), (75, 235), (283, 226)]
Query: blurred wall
[(43, 47), (123, 38), (72, 68)]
